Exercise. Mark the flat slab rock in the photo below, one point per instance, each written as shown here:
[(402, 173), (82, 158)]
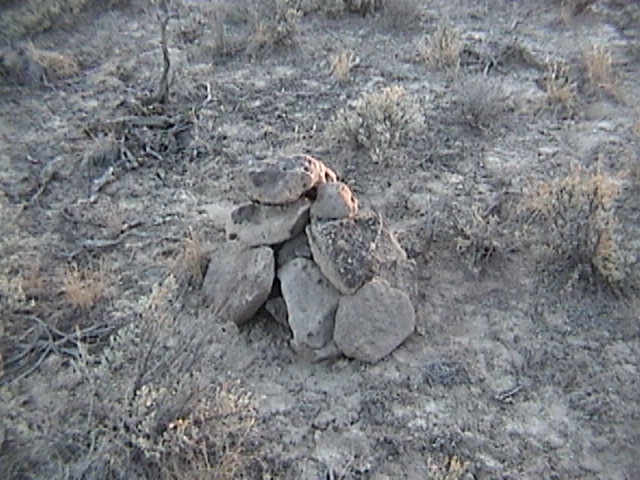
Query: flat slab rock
[(254, 224), (374, 322), (285, 179), (238, 282), (311, 302), (343, 249)]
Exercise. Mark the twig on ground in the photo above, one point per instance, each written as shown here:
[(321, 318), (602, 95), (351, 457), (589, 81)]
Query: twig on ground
[(49, 339)]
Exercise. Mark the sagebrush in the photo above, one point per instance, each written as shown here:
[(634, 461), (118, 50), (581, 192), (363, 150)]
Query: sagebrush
[(578, 220), (378, 121)]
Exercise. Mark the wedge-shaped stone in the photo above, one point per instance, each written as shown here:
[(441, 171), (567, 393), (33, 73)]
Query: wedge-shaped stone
[(254, 224), (374, 322), (238, 282), (311, 302)]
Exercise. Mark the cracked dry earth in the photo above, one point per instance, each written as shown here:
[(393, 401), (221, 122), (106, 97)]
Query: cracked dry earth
[(514, 371)]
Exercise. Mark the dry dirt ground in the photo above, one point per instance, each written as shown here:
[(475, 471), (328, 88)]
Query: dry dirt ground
[(526, 358)]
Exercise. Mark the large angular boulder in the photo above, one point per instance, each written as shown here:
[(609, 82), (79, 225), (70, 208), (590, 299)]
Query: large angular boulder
[(375, 321), (334, 200), (254, 224), (343, 249), (238, 282), (311, 302), (284, 180)]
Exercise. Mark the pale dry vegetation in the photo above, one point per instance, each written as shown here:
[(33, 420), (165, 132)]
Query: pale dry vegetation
[(34, 16), (83, 287), (598, 63), (482, 103), (148, 405), (578, 220), (274, 23), (441, 49), (560, 88), (342, 64), (378, 122), (27, 65), (192, 258)]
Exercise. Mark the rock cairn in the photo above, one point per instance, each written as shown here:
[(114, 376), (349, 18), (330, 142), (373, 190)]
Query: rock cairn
[(329, 271)]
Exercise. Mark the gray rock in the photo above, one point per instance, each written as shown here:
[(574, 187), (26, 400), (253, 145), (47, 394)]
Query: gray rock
[(254, 224), (343, 249), (284, 180), (391, 263), (311, 302), (238, 282), (314, 355), (375, 321), (333, 201), (277, 309), (297, 247)]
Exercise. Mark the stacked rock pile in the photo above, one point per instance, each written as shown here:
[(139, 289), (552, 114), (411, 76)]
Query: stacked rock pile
[(302, 249)]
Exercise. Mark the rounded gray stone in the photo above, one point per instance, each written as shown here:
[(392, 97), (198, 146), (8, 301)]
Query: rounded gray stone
[(255, 224), (285, 179), (373, 322)]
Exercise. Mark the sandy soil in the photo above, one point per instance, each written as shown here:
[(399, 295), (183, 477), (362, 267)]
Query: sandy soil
[(515, 370)]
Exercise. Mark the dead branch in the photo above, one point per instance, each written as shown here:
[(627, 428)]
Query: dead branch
[(48, 339)]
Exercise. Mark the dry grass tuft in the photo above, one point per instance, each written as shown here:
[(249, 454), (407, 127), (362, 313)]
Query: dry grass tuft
[(561, 90), (442, 49), (274, 23), (378, 121), (448, 468), (55, 66), (477, 236), (578, 220), (341, 65), (192, 260), (635, 128), (85, 287), (599, 67)]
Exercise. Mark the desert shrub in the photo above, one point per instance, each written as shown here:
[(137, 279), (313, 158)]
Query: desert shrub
[(441, 49), (477, 235), (25, 64), (577, 216), (400, 14), (481, 102), (378, 121), (148, 406), (274, 23), (34, 16)]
